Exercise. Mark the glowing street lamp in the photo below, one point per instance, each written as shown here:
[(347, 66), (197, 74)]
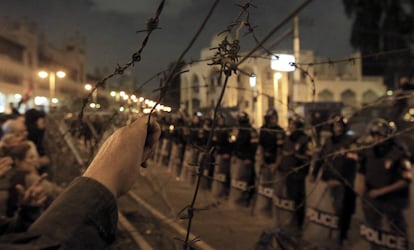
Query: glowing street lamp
[(88, 87), (52, 80)]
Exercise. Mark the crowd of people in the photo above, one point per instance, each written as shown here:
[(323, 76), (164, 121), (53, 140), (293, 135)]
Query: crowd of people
[(41, 215), (247, 164), (26, 190)]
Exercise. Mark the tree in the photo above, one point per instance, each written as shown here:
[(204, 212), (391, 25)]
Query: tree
[(383, 25)]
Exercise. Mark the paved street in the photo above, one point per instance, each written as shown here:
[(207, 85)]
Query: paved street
[(218, 225)]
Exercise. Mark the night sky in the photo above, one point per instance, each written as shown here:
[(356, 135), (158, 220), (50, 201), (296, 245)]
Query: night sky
[(110, 27)]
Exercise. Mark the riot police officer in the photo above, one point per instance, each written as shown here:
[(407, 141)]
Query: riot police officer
[(293, 166), (192, 150), (205, 159), (338, 165), (242, 162), (222, 153), (383, 179), (178, 146), (271, 137)]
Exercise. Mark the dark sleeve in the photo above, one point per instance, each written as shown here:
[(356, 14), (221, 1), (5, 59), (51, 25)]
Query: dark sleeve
[(362, 162), (26, 215), (318, 161), (84, 216), (404, 170)]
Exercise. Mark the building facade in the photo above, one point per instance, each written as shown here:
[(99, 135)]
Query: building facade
[(258, 86), (24, 52)]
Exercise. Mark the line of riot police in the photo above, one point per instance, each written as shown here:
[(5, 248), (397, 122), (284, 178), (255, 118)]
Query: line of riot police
[(310, 191)]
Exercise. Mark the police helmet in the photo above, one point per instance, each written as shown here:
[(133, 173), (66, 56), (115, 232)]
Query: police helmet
[(271, 112), (340, 120), (243, 118), (297, 121), (382, 127)]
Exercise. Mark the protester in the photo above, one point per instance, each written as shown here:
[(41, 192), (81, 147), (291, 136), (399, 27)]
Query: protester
[(30, 201), (84, 216), (25, 173), (35, 121), (5, 165)]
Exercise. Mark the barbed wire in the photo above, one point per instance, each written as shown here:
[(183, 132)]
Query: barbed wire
[(152, 24), (228, 58)]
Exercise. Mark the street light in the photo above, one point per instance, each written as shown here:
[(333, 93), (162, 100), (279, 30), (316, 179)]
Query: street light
[(52, 81), (88, 87)]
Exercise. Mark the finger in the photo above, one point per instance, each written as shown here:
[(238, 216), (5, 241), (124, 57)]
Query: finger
[(40, 180), (20, 189), (4, 169), (24, 195), (152, 130), (40, 200), (6, 160)]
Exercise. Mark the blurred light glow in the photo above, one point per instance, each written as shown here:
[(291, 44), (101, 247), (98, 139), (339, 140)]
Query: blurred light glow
[(88, 87), (389, 92), (92, 105), (43, 74), (122, 93), (121, 109), (60, 74), (146, 111), (40, 100), (113, 93), (282, 62), (278, 75), (55, 100), (141, 99), (17, 96), (252, 80)]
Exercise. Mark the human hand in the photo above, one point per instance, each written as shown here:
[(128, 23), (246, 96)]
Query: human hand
[(35, 195), (117, 163), (5, 165)]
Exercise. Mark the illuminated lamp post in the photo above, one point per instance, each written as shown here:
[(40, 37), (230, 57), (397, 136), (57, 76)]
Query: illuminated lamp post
[(52, 82), (281, 64), (88, 87)]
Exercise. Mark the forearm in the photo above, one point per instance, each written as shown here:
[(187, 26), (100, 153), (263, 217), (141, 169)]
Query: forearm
[(393, 187), (360, 184)]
